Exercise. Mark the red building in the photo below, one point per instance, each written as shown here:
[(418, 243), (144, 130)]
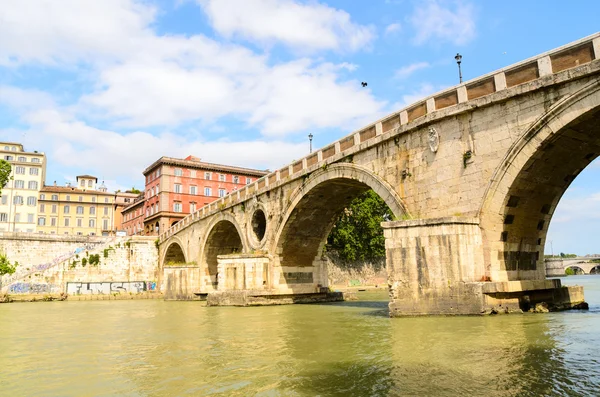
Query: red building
[(133, 216), (178, 187)]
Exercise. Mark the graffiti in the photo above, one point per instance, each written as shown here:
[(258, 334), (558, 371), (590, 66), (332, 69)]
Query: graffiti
[(45, 266), (151, 285), (30, 288), (99, 288)]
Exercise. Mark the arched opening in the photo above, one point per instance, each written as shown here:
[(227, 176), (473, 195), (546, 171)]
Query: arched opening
[(574, 270), (223, 239), (157, 227), (174, 223), (530, 183), (259, 224), (595, 270), (304, 233), (174, 255)]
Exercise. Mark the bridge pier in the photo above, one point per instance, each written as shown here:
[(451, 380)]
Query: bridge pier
[(436, 267)]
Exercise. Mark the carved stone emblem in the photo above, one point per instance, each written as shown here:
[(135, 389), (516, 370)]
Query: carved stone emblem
[(434, 139)]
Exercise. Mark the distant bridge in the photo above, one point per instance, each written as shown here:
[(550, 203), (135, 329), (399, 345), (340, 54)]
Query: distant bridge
[(473, 174), (558, 266)]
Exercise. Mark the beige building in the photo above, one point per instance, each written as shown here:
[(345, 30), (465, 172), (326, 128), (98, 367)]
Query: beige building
[(83, 209), (18, 204)]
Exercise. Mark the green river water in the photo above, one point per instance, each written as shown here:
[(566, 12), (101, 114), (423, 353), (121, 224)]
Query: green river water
[(157, 348)]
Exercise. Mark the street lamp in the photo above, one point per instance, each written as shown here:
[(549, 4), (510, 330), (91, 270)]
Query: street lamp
[(458, 58), (310, 137)]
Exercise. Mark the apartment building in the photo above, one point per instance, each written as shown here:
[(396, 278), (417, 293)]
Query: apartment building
[(175, 188), (82, 209), (18, 203)]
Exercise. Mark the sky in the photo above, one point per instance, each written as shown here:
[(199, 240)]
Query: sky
[(107, 87)]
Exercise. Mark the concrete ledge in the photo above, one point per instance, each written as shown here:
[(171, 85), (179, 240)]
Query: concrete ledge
[(519, 286), (456, 220), (245, 298)]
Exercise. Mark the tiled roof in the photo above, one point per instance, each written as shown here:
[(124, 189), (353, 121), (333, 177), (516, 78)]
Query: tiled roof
[(206, 166)]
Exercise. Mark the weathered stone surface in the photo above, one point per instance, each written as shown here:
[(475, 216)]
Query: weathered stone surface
[(477, 195)]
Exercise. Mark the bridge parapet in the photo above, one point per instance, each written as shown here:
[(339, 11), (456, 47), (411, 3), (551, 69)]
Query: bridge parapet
[(454, 100)]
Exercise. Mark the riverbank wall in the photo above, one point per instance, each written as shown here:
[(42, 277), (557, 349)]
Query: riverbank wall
[(77, 265)]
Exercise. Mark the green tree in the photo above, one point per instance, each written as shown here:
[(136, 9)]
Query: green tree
[(5, 266), (4, 173), (357, 233), (134, 190)]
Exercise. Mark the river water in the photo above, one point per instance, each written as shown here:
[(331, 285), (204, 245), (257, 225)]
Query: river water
[(157, 348)]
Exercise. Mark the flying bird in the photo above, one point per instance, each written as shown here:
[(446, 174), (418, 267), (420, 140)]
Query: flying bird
[(364, 83)]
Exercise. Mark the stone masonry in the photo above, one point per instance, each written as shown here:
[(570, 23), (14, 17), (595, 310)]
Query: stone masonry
[(472, 174)]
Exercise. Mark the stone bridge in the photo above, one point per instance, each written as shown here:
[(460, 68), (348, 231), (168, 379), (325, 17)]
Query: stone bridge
[(471, 174), (557, 266)]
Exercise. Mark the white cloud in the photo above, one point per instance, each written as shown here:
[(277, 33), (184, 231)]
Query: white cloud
[(311, 26), (44, 31), (392, 28), (434, 22), (406, 71)]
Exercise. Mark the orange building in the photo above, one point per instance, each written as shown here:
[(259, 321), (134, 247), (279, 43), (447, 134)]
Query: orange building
[(177, 187)]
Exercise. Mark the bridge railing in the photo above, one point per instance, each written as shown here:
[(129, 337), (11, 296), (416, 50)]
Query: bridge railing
[(574, 54)]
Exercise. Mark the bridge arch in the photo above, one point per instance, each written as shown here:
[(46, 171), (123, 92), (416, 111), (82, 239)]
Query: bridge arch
[(313, 207), (595, 270), (223, 236), (576, 269), (534, 174), (174, 252)]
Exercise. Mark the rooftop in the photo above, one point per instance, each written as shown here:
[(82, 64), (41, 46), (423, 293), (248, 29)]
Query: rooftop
[(194, 162)]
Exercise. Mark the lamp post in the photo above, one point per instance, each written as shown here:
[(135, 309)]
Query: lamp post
[(310, 137), (458, 58)]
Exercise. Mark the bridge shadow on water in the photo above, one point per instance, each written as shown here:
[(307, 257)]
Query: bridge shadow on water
[(376, 308)]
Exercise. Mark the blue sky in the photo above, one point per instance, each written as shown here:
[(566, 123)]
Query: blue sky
[(107, 87)]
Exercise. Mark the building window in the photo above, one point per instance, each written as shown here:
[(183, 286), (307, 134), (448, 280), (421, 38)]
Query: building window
[(8, 158), (31, 200), (80, 209), (18, 200), (33, 185), (105, 210), (207, 191), (41, 221), (248, 181), (66, 209), (105, 224), (92, 210), (207, 176), (42, 197), (17, 218), (53, 222), (221, 177), (42, 208), (193, 173), (177, 207), (68, 198), (236, 179), (79, 222), (35, 160), (4, 200), (152, 191), (222, 192), (19, 170), (177, 188), (54, 197), (82, 183), (92, 223), (22, 159), (90, 183), (29, 218), (106, 199), (193, 190), (66, 221), (3, 217), (19, 184), (94, 199), (192, 207), (80, 198), (54, 208), (156, 208), (33, 171), (178, 172)]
